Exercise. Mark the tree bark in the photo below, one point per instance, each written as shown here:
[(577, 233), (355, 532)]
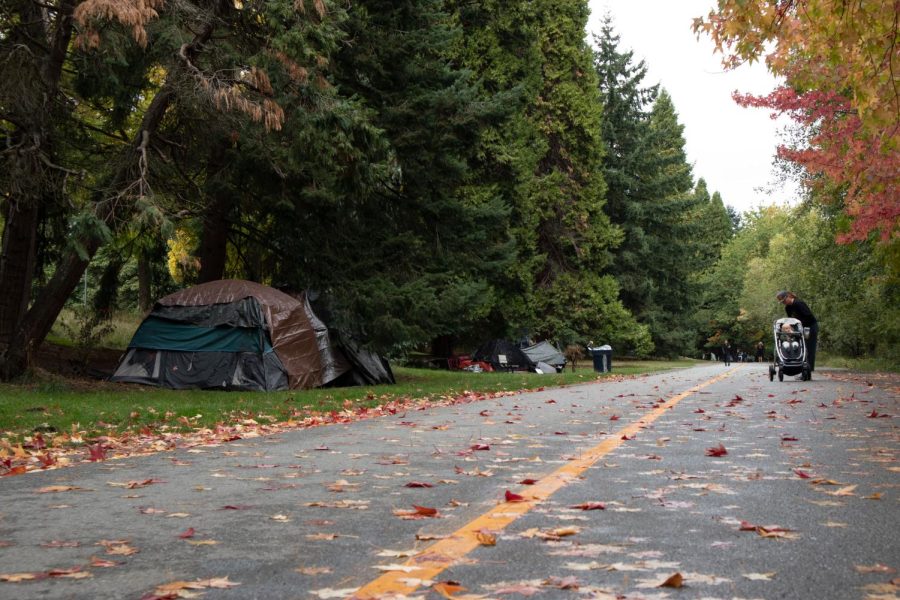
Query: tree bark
[(17, 260), (213, 241), (144, 282), (35, 326), (31, 154)]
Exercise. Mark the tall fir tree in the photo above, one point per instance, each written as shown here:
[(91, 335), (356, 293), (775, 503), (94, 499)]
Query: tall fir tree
[(649, 196), (552, 149)]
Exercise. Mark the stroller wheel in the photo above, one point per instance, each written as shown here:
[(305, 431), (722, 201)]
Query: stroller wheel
[(807, 375), (780, 375), (771, 373)]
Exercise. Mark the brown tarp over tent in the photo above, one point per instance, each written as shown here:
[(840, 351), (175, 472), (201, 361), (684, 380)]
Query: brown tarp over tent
[(291, 332), (233, 334)]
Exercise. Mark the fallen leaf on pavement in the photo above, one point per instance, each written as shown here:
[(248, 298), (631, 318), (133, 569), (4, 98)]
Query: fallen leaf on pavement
[(676, 580), (447, 588), (717, 451), (562, 583), (20, 577), (511, 497), (486, 539), (876, 568), (401, 568), (329, 593), (590, 506), (844, 491), (98, 562), (759, 576), (52, 489), (397, 553), (312, 570)]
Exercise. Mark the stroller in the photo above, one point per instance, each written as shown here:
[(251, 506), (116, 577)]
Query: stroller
[(790, 350)]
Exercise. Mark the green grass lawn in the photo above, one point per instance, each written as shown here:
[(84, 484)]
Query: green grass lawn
[(110, 409)]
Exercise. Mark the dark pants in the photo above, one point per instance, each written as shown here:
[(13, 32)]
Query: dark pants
[(811, 346)]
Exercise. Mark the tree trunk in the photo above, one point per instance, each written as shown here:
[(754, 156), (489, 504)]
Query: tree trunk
[(35, 326), (17, 260), (219, 200), (145, 297), (30, 156), (38, 321)]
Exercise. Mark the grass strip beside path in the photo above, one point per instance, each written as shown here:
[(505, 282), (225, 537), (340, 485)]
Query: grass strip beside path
[(66, 412)]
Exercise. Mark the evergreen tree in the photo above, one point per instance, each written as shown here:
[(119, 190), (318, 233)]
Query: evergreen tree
[(649, 197), (672, 223), (160, 68)]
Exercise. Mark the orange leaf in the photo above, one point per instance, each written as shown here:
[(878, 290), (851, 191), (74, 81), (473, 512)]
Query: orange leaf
[(675, 581), (486, 539), (447, 588), (425, 511)]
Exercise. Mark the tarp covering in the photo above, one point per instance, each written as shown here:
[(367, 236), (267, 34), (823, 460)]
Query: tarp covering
[(188, 370), (243, 335), (503, 355), (292, 335), (162, 334), (545, 352)]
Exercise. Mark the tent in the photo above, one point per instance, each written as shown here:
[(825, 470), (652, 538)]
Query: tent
[(241, 335), (503, 355), (547, 353)]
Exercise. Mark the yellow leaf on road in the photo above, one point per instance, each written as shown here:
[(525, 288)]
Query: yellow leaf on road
[(844, 491)]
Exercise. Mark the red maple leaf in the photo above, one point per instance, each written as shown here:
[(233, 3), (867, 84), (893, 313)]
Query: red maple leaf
[(716, 451), (528, 481), (626, 438), (511, 497), (802, 474), (614, 418), (97, 452), (425, 511), (418, 484), (480, 447), (187, 533), (590, 506)]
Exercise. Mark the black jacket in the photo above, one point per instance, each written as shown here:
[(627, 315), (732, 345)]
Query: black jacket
[(799, 310)]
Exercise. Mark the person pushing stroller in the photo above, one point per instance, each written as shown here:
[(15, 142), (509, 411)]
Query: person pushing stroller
[(796, 308)]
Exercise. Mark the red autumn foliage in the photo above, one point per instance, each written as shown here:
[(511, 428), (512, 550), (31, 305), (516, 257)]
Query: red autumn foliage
[(841, 153)]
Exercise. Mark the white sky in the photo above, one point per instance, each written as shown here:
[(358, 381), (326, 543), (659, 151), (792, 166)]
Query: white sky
[(731, 147)]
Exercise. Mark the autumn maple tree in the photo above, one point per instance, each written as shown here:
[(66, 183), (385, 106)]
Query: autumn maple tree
[(839, 62)]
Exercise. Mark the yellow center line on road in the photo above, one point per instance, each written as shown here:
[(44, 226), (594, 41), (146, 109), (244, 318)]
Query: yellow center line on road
[(442, 554)]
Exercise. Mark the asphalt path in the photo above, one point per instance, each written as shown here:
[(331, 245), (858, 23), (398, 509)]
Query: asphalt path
[(709, 482)]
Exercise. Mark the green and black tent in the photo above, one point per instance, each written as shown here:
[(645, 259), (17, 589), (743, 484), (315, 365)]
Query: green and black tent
[(241, 335)]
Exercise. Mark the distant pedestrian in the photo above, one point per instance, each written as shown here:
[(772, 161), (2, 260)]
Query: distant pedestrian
[(726, 353), (760, 351)]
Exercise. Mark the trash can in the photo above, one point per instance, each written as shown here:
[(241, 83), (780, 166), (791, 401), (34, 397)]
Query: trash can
[(602, 358)]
